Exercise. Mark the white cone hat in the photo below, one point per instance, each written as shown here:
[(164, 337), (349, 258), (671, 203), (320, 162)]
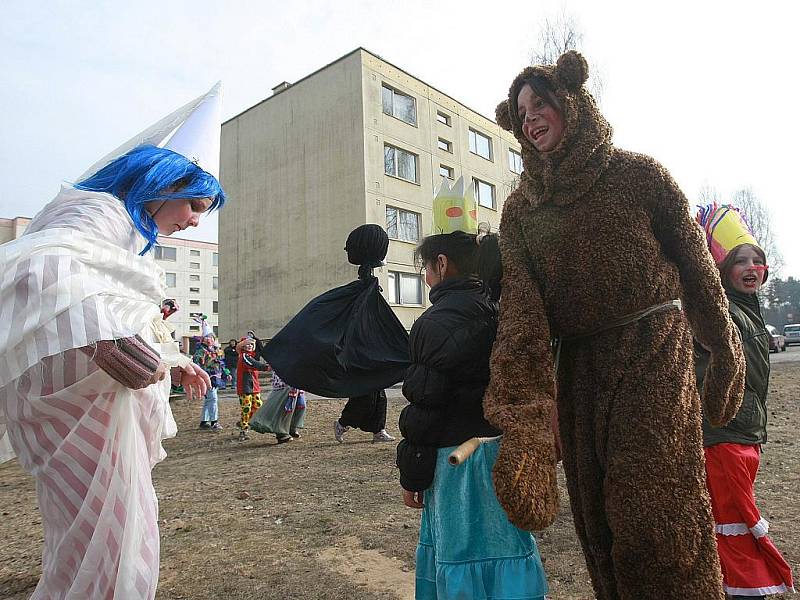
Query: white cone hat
[(192, 131)]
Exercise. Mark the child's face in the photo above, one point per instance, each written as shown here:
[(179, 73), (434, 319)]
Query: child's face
[(747, 273), (249, 347)]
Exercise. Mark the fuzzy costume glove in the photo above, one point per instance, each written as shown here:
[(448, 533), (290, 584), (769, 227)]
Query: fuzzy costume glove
[(520, 398), (525, 477)]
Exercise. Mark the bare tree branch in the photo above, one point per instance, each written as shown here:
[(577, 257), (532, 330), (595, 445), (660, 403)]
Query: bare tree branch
[(557, 34), (760, 221)]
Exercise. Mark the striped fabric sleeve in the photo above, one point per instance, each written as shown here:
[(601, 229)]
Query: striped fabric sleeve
[(130, 361)]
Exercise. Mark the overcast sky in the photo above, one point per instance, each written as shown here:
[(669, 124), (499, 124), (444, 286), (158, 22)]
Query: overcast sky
[(707, 88)]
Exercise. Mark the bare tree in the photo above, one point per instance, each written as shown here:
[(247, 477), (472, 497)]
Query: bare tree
[(708, 195), (557, 34), (760, 221)]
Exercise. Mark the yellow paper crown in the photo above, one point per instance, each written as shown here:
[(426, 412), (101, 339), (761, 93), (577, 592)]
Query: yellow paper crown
[(454, 208)]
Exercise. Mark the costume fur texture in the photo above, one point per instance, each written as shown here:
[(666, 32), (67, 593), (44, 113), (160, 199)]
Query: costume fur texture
[(592, 234)]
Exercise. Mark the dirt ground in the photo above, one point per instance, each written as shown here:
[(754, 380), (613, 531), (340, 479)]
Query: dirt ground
[(314, 519)]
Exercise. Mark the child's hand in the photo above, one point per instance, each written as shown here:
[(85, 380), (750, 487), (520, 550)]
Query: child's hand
[(413, 499)]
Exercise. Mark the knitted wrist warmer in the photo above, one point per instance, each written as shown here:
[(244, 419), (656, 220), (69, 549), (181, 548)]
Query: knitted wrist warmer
[(131, 361)]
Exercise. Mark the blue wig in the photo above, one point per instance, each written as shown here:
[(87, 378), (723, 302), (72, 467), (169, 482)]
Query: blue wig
[(143, 175)]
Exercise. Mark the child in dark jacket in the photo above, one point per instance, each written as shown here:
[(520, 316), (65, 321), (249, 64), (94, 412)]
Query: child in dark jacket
[(467, 546), (752, 566)]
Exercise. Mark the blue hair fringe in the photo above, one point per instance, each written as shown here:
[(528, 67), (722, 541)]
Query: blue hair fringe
[(143, 174)]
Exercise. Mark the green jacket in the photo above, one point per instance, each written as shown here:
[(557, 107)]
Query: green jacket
[(749, 426)]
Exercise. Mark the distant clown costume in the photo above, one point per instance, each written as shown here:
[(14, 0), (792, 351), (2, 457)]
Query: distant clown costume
[(80, 402), (751, 564)]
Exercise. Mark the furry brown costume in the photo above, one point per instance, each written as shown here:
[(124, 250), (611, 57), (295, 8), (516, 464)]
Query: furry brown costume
[(591, 235)]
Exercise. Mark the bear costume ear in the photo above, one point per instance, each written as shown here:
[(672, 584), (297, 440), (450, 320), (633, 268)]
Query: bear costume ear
[(502, 115), (572, 70)]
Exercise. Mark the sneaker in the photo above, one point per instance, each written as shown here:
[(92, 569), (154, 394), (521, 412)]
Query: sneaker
[(382, 436), (243, 436), (283, 440), (216, 427), (295, 434), (204, 425), (338, 431)]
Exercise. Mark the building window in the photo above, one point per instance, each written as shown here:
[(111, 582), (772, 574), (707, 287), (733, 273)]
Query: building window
[(484, 193), (194, 277), (399, 105), (443, 118), (194, 252), (399, 163), (215, 307), (480, 144), (194, 290), (446, 171), (172, 279), (215, 283), (192, 315), (515, 161), (216, 331), (402, 224), (194, 327), (166, 253), (194, 302), (445, 145), (404, 288), (194, 265), (215, 259)]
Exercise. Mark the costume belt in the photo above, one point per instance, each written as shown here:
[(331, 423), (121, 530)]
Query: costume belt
[(634, 317)]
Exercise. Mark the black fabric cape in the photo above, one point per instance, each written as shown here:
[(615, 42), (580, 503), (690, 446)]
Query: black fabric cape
[(346, 342)]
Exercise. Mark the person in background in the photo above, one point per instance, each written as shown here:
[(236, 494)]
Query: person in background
[(283, 413), (231, 358), (169, 308), (207, 357), (367, 413), (248, 387), (752, 566)]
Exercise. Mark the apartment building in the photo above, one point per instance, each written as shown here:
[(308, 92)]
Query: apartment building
[(358, 141), (11, 229), (192, 279)]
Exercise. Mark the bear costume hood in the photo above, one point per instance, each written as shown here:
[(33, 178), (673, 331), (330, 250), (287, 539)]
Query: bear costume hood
[(567, 172)]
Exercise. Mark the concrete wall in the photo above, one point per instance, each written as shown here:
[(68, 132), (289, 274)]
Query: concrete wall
[(293, 169), (422, 139)]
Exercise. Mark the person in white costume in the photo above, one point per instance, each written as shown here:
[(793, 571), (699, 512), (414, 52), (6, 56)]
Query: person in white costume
[(84, 353)]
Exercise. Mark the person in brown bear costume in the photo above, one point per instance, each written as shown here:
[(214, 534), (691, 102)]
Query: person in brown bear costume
[(599, 250)]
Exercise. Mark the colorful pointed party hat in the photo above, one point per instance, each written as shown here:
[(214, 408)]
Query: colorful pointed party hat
[(725, 229)]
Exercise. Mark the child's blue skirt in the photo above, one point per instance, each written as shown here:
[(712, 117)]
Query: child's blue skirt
[(468, 549)]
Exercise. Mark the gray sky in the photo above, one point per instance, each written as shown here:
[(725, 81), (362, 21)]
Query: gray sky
[(705, 87)]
